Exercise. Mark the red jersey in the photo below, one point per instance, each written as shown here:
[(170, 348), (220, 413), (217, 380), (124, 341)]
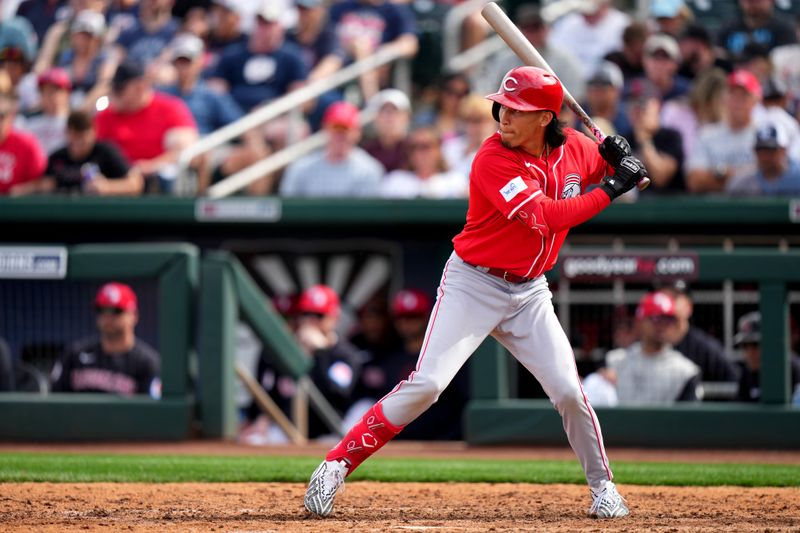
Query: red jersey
[(140, 135), (21, 159), (521, 206)]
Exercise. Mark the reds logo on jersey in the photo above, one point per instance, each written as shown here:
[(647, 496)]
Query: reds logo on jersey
[(572, 186)]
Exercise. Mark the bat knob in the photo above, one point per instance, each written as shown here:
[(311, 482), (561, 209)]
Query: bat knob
[(643, 183)]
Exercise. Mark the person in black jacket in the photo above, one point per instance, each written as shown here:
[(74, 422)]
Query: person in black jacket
[(115, 361), (748, 338), (336, 370)]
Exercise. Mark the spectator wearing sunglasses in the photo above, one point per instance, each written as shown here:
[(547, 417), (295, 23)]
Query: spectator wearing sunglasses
[(443, 112), (428, 174), (115, 361)]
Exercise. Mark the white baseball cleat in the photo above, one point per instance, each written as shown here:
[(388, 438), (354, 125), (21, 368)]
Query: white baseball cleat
[(326, 480), (608, 503)]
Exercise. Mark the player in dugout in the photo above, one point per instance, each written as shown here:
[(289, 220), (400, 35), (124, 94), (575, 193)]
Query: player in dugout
[(528, 186), (116, 362)]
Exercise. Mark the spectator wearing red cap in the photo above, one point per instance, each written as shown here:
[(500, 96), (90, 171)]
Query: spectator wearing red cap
[(336, 369), (319, 311), (115, 361), (724, 151), (49, 124), (650, 371), (341, 168)]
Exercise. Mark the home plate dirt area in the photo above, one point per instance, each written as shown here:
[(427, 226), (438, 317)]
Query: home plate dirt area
[(370, 506), (393, 507)]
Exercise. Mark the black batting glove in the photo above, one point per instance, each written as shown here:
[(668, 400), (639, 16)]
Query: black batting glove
[(613, 149), (628, 173)]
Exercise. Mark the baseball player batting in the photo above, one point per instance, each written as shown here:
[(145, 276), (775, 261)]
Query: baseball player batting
[(528, 187)]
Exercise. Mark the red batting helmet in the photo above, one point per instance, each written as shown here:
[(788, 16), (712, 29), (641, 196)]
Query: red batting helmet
[(528, 89)]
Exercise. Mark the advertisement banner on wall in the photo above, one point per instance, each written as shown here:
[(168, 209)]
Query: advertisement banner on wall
[(644, 266), (33, 262)]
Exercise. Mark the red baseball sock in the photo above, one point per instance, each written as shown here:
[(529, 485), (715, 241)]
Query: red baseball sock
[(364, 439)]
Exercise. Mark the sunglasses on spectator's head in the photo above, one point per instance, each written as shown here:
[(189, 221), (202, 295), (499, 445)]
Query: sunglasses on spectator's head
[(116, 311), (308, 314)]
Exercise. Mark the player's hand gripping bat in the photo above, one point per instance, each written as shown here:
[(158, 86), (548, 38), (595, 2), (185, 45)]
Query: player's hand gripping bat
[(528, 53)]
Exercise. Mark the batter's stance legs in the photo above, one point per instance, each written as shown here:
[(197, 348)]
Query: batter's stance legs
[(470, 306)]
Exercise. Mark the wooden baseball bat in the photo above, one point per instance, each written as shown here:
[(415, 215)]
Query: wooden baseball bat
[(529, 55)]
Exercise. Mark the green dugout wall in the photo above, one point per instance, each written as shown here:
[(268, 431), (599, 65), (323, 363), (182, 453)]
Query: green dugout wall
[(204, 293), (199, 303)]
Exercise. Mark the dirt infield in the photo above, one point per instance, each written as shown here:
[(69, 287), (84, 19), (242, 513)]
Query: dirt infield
[(379, 507), (368, 506)]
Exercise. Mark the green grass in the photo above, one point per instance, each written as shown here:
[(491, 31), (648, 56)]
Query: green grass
[(70, 468)]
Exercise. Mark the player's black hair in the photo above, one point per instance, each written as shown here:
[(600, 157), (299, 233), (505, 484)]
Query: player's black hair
[(554, 135)]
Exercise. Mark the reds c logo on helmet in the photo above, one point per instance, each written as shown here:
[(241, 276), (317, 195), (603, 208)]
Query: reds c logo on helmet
[(510, 84), (528, 89)]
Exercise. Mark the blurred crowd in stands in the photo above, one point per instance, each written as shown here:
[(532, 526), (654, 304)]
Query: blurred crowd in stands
[(101, 96)]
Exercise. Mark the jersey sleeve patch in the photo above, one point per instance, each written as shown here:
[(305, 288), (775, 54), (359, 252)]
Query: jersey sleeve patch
[(513, 188)]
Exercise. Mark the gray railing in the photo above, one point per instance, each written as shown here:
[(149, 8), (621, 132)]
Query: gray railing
[(284, 104)]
